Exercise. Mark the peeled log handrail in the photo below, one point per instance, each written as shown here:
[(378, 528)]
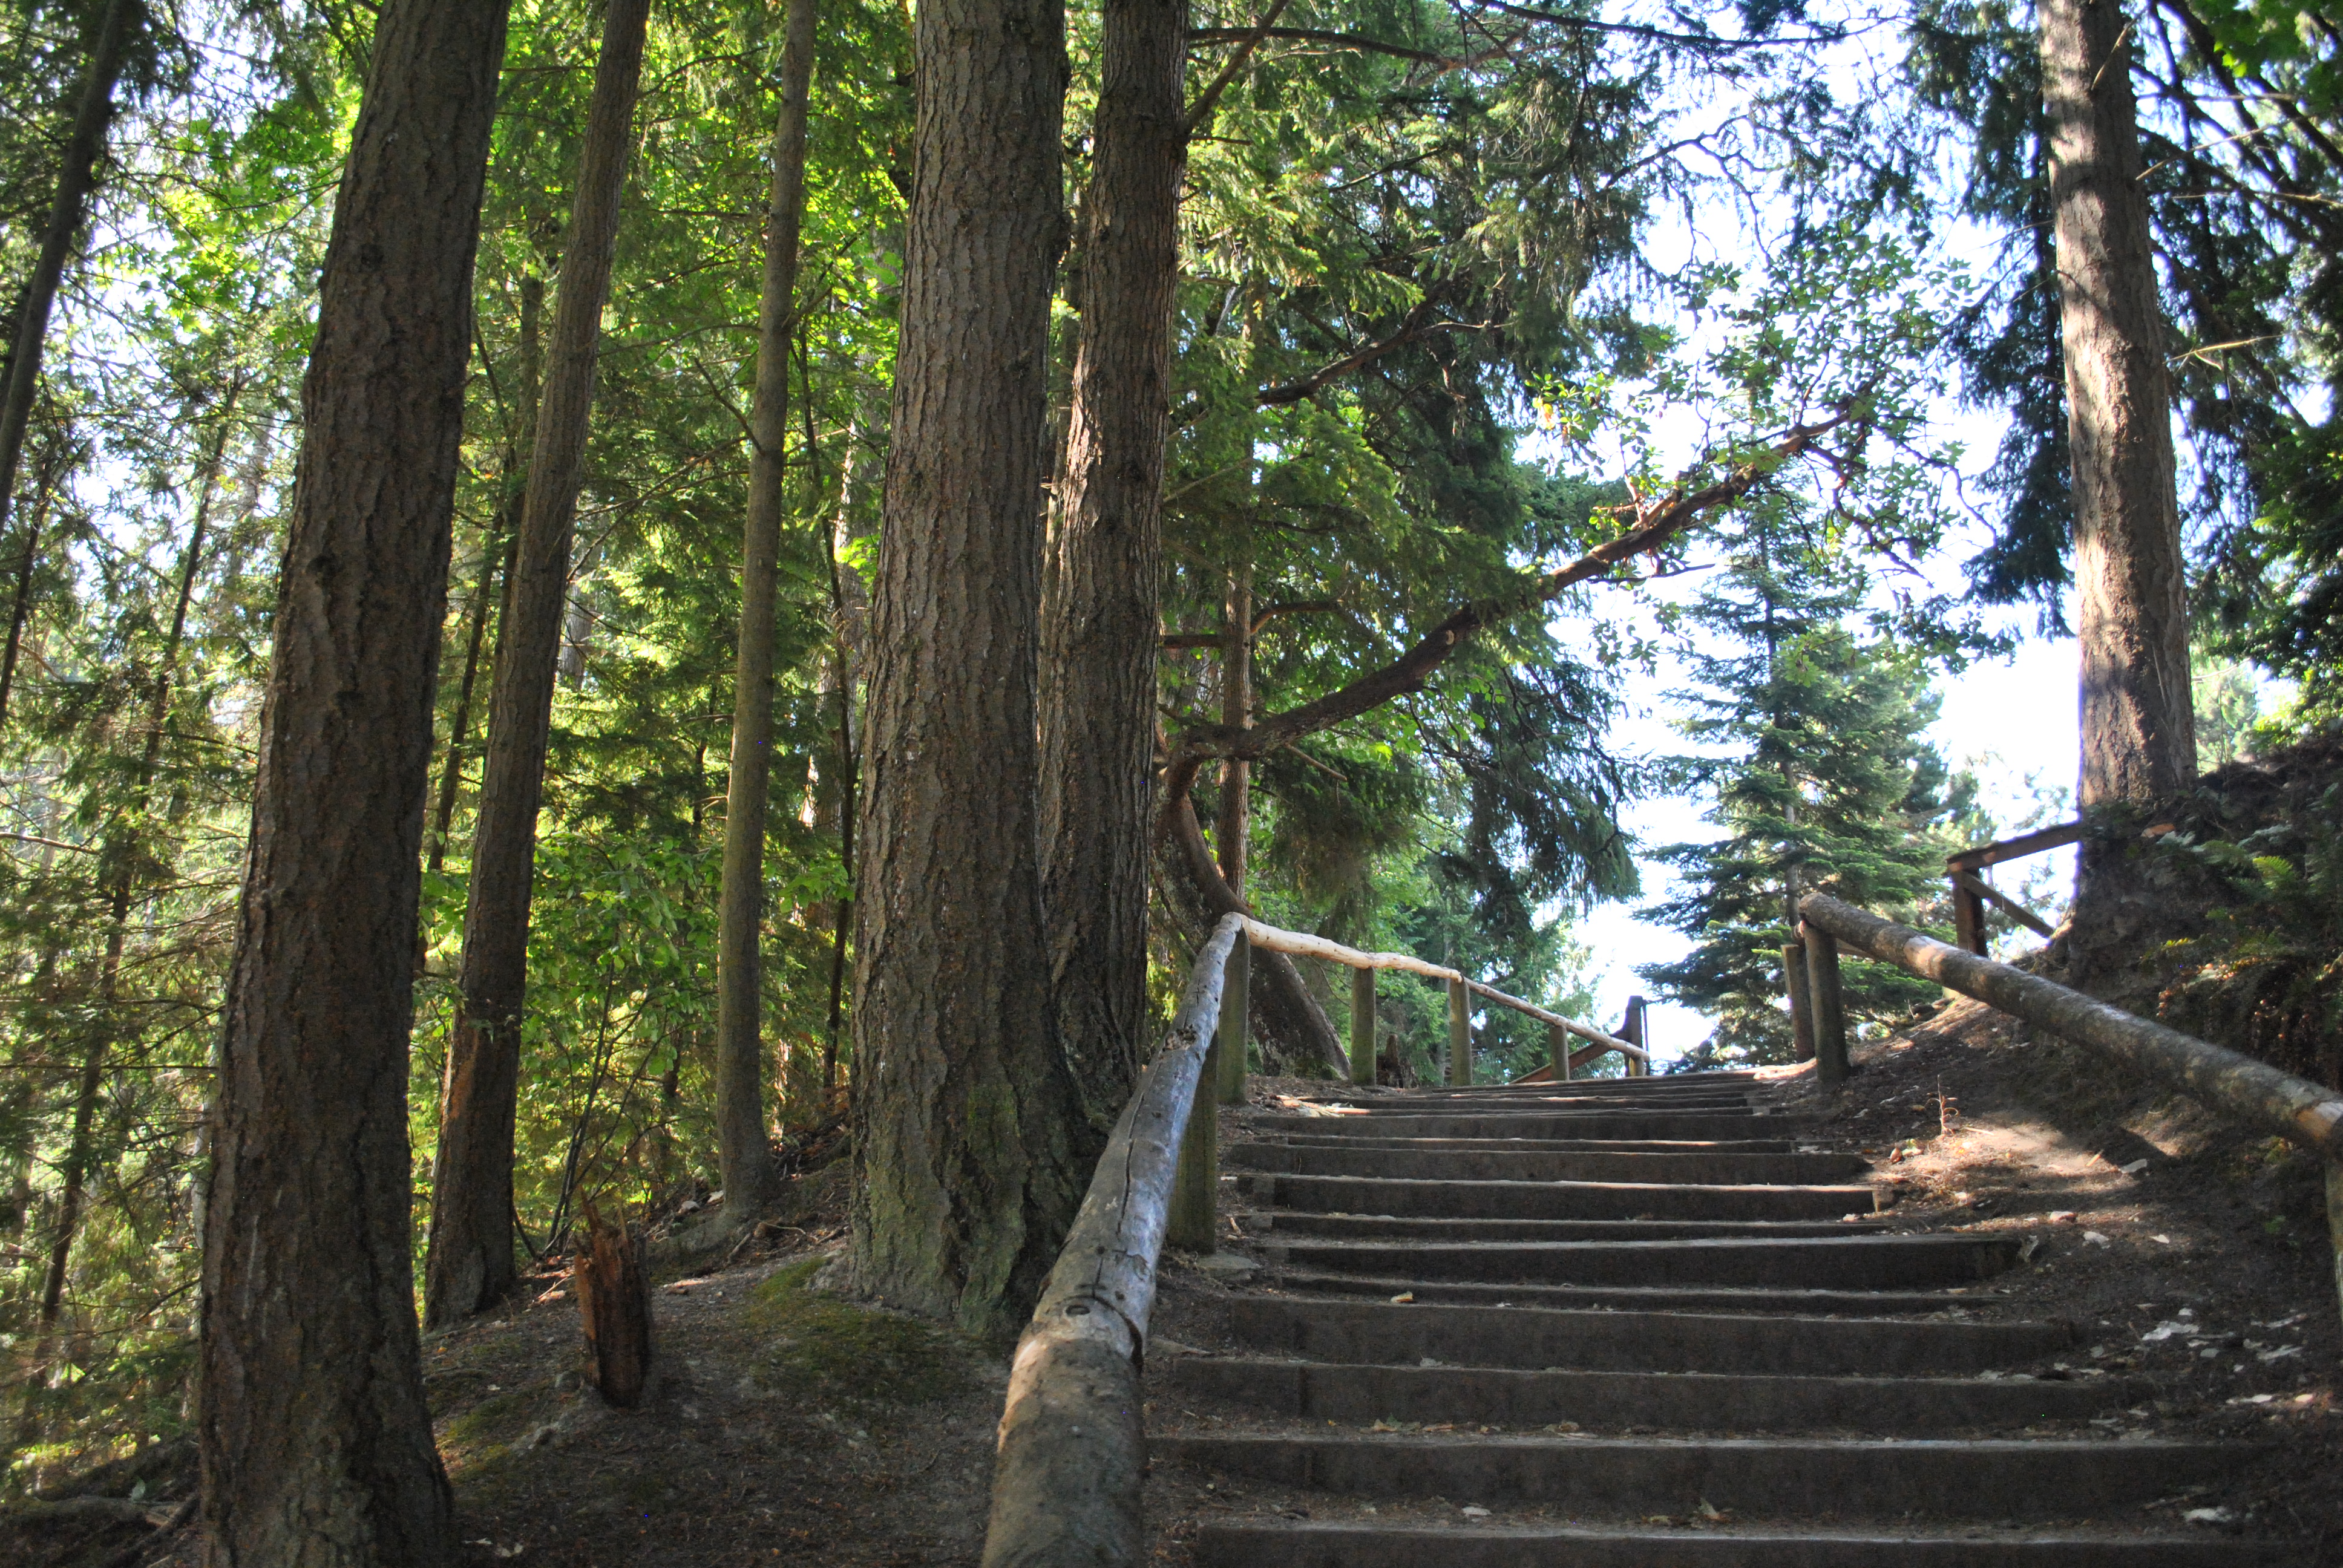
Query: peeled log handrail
[(1072, 1450), (1303, 945), (1066, 1477), (2252, 1092)]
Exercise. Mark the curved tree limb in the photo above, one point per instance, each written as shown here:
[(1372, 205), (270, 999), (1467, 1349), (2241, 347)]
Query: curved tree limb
[(1290, 1020), (1656, 519)]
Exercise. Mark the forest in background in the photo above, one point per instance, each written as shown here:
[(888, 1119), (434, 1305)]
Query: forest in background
[(1410, 234)]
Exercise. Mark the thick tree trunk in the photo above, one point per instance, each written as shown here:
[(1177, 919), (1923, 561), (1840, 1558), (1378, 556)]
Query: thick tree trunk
[(469, 1265), (966, 1177), (314, 1436), (744, 1150), (1099, 615), (496, 562), (77, 177), (2139, 741)]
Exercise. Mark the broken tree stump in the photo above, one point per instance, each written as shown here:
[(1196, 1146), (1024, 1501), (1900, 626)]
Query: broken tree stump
[(613, 1303)]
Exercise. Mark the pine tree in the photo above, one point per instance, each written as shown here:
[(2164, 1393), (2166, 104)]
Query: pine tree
[(1820, 779)]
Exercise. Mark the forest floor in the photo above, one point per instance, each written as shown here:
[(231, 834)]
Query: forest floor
[(789, 1423)]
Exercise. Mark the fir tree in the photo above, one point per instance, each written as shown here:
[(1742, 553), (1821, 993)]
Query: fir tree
[(1821, 780)]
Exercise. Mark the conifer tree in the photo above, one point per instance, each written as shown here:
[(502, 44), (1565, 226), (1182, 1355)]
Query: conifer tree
[(1822, 781)]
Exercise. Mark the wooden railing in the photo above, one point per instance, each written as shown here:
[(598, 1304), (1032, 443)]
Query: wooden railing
[(2251, 1092), (1073, 1449), (1971, 892)]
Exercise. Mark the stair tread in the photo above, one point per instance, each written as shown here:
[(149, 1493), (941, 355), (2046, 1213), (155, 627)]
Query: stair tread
[(1690, 1268), (1723, 1299)]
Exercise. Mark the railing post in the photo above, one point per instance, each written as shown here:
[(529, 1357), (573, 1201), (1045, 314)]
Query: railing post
[(1236, 1014), (1829, 1003), (1557, 1046), (1460, 1035), (1194, 1222), (1968, 912), (1362, 1026), (1802, 1011), (1633, 1031)]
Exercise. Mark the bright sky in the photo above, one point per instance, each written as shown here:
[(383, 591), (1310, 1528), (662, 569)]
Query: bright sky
[(2013, 723)]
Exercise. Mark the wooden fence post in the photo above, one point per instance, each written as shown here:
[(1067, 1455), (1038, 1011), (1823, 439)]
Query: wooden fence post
[(1557, 1047), (1194, 1224), (1362, 1026), (1460, 1035), (1632, 1033), (1802, 1011), (1968, 912), (1236, 1014), (1829, 1004)]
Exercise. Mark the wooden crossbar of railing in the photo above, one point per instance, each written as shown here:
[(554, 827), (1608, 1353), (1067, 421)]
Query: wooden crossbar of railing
[(1303, 945), (1073, 1449), (2252, 1093)]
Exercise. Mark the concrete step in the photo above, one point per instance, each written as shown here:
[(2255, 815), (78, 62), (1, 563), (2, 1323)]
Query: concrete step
[(1354, 1140), (1553, 1200), (1641, 1125), (1293, 1223), (1776, 1477), (1634, 1298), (1681, 1402), (1380, 1333), (1285, 1543), (1468, 1163), (1817, 1262)]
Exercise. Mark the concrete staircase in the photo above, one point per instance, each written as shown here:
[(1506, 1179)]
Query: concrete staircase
[(1644, 1324)]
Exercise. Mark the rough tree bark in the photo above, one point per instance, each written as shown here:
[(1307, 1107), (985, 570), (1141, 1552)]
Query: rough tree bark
[(315, 1437), (965, 1171), (1099, 615), (76, 177), (2139, 738), (744, 1152), (469, 1265)]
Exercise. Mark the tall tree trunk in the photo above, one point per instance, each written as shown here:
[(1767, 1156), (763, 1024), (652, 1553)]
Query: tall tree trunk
[(2139, 738), (469, 1263), (744, 1151), (117, 865), (459, 723), (1100, 616), (849, 609), (76, 177), (496, 560), (315, 1435), (966, 1177), (28, 563)]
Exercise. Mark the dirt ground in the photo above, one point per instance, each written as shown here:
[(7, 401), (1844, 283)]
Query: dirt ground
[(788, 1423)]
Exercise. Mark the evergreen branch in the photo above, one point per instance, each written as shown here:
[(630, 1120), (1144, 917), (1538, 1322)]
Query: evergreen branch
[(1656, 519), (1203, 107)]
